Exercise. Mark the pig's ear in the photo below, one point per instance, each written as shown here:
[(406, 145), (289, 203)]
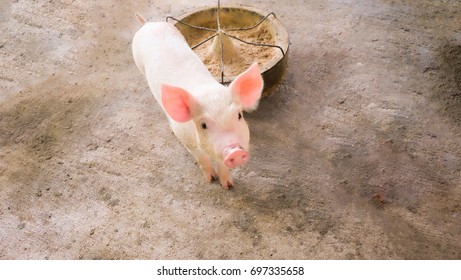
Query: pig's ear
[(247, 87), (177, 103)]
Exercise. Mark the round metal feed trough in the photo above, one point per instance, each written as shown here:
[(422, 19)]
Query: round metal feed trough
[(246, 35)]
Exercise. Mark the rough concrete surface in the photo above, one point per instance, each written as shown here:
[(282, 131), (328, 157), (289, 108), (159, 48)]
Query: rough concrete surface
[(356, 155)]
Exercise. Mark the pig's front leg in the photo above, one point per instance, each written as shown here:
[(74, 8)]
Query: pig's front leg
[(205, 164), (224, 176), (184, 132)]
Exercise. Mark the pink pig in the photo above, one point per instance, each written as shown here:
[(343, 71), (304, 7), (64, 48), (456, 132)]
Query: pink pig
[(205, 115)]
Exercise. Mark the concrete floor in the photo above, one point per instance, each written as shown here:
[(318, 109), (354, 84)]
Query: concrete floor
[(356, 155)]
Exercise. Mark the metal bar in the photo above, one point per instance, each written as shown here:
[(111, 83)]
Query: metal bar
[(206, 40), (220, 41), (248, 28), (219, 15), (222, 57), (189, 25), (256, 44)]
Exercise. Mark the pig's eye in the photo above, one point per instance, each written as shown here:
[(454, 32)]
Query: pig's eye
[(204, 125), (240, 116)]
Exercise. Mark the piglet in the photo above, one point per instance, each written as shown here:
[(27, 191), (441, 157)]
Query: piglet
[(205, 116)]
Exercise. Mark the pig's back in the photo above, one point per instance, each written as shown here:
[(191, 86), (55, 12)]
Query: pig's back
[(163, 55)]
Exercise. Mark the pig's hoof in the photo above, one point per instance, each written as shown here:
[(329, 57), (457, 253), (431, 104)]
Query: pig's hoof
[(210, 176), (227, 184)]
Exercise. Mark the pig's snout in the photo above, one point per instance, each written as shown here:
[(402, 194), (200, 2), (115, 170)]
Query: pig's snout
[(235, 155)]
